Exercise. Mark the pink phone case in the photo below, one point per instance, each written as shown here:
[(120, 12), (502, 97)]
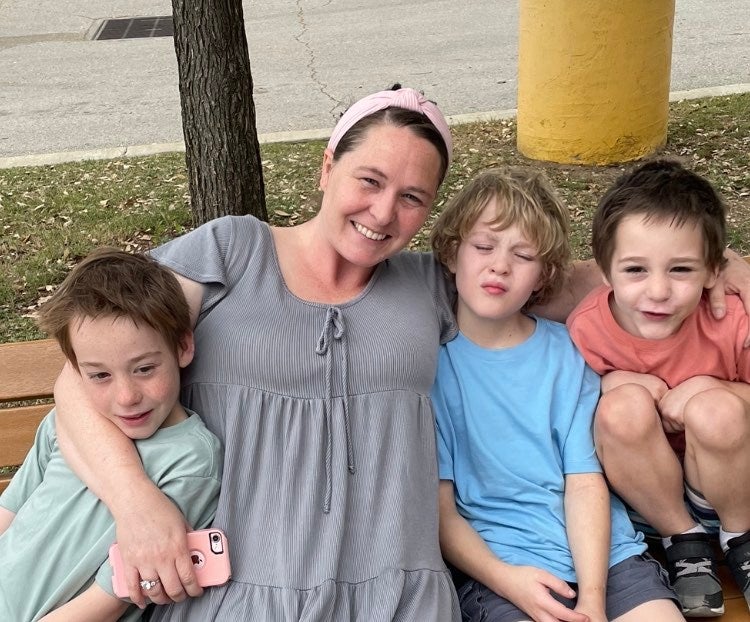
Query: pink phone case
[(209, 550)]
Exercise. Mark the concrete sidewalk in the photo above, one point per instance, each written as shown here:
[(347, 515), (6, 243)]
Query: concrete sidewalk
[(64, 96)]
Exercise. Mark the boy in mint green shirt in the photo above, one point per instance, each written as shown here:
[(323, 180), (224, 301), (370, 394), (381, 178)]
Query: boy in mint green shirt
[(123, 323)]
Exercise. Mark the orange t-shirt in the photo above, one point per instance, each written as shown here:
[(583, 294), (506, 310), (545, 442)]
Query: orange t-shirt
[(703, 346)]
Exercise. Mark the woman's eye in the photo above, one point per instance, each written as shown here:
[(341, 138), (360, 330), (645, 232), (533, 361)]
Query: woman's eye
[(99, 376), (413, 199), (369, 181)]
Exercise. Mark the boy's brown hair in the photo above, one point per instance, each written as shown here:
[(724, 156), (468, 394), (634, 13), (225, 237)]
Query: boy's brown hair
[(524, 198), (111, 282), (661, 191)]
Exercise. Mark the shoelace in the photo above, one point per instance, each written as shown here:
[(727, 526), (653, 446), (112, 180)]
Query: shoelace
[(689, 567), (334, 329)]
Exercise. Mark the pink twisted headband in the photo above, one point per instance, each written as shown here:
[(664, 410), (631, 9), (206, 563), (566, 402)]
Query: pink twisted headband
[(402, 98)]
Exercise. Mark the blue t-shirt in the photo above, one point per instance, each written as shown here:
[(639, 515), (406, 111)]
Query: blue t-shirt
[(511, 424)]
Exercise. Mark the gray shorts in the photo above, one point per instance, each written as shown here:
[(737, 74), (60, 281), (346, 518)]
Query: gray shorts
[(630, 583)]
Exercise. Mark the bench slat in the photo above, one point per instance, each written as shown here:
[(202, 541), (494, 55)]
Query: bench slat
[(17, 431), (28, 369)]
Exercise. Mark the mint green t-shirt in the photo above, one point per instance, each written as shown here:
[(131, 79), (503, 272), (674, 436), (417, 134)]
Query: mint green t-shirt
[(59, 540)]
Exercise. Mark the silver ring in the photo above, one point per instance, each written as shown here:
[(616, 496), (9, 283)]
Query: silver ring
[(148, 584)]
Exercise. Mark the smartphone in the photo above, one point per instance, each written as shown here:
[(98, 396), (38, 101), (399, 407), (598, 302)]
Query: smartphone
[(209, 551)]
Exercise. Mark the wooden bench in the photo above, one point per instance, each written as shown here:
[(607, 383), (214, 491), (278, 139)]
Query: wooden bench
[(27, 374)]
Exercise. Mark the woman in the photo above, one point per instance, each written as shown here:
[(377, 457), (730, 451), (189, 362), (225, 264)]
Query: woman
[(316, 350)]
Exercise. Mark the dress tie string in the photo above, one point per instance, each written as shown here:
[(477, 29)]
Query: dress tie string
[(334, 329)]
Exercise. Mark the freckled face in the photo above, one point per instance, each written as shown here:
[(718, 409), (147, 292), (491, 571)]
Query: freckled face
[(129, 373), (377, 196), (658, 273)]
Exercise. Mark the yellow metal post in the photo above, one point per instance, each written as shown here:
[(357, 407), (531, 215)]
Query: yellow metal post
[(593, 79)]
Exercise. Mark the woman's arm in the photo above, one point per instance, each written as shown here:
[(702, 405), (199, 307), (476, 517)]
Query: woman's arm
[(584, 276), (93, 605), (587, 521)]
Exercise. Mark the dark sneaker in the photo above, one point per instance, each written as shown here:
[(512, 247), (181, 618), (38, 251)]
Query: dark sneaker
[(692, 571), (738, 559)]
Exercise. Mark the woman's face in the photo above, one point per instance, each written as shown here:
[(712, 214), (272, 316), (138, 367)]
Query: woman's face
[(378, 195)]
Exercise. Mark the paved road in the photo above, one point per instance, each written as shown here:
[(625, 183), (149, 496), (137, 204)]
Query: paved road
[(61, 91)]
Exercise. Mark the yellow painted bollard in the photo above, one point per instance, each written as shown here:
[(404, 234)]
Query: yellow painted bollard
[(593, 79)]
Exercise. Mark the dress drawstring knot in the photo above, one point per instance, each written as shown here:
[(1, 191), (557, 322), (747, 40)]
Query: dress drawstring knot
[(334, 329)]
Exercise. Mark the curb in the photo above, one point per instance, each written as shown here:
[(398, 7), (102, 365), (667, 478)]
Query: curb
[(111, 153)]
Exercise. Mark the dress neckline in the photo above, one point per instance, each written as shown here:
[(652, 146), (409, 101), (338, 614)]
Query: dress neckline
[(268, 235)]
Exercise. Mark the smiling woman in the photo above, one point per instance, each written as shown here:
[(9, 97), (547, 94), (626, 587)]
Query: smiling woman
[(316, 349)]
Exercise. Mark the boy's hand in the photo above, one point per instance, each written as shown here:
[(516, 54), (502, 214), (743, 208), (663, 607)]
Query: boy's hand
[(672, 406), (528, 588), (733, 279)]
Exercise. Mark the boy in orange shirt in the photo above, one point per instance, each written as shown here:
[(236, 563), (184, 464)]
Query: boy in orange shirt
[(672, 427)]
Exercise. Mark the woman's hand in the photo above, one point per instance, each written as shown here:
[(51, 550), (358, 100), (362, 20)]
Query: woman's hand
[(152, 539), (733, 279)]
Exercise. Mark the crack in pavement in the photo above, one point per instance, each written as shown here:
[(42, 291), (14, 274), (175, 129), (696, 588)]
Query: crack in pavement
[(312, 60)]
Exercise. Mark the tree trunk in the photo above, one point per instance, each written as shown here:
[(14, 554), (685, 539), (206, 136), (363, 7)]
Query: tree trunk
[(222, 153)]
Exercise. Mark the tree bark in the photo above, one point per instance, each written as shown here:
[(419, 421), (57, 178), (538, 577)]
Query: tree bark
[(222, 153)]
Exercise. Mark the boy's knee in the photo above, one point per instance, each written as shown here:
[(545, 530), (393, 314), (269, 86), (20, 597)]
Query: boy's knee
[(626, 413), (717, 419)]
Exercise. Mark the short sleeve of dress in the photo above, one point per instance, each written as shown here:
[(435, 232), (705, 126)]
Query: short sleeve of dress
[(444, 431), (441, 287), (213, 254)]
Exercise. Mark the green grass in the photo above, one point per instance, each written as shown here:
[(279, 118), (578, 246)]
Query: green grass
[(51, 216)]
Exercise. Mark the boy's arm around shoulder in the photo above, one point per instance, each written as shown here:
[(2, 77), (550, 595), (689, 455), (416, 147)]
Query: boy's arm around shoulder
[(92, 605), (583, 277)]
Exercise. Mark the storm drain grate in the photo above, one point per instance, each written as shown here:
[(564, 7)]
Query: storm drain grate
[(135, 28)]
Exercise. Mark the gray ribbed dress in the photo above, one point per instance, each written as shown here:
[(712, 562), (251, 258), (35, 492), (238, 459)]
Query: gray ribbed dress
[(329, 495)]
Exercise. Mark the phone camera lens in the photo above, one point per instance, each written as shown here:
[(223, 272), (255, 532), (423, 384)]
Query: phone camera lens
[(217, 546)]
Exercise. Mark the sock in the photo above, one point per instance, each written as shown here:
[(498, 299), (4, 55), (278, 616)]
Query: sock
[(726, 536), (667, 542)]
